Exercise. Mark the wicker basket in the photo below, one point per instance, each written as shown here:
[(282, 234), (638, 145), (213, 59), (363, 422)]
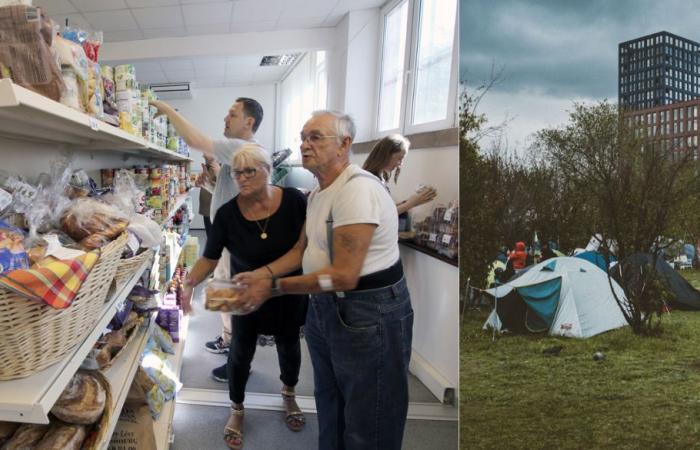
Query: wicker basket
[(128, 267), (35, 335)]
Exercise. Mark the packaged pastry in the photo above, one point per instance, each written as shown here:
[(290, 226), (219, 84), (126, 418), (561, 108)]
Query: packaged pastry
[(63, 436), (224, 295), (82, 401)]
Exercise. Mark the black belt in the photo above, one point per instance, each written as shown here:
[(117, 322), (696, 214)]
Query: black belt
[(383, 278)]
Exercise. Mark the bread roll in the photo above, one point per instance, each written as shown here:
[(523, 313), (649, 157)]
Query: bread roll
[(82, 401), (26, 437), (115, 339), (63, 436)]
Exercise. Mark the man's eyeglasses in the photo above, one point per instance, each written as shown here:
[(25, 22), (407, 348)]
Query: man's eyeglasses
[(248, 172), (314, 138)]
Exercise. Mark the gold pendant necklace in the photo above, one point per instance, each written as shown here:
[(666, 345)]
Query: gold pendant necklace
[(263, 229)]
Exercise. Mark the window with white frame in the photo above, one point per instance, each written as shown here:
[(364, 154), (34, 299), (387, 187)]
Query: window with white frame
[(304, 90), (417, 71)]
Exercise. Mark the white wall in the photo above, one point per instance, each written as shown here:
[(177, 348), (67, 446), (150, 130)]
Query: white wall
[(207, 109)]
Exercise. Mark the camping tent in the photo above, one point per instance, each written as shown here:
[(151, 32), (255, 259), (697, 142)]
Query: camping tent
[(685, 295), (563, 296), (596, 258)]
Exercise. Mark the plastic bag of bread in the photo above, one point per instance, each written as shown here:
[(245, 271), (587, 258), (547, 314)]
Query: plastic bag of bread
[(26, 53), (62, 436), (26, 436), (156, 365), (82, 401), (93, 223)]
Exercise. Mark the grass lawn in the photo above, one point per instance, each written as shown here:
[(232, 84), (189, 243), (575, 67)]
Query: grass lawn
[(645, 394)]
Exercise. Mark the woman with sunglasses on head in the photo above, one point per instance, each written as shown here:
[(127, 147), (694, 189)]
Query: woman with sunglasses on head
[(386, 159), (260, 224)]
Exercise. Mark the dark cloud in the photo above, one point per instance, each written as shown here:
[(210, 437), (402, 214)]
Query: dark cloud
[(561, 48)]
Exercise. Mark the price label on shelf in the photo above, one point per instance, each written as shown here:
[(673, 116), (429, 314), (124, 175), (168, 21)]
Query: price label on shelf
[(446, 239), (433, 237), (92, 122)]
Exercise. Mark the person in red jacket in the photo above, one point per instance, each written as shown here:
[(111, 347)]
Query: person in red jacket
[(518, 256)]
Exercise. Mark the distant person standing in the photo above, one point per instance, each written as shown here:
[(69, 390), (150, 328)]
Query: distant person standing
[(385, 160), (518, 256)]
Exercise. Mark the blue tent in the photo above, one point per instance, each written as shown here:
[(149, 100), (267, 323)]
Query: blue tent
[(596, 258)]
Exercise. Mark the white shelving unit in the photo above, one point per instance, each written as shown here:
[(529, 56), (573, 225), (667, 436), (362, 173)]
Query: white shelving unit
[(163, 426), (28, 116), (37, 121), (122, 373), (30, 399)]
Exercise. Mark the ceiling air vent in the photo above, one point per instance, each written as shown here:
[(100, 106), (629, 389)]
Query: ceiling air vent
[(170, 91), (279, 60)]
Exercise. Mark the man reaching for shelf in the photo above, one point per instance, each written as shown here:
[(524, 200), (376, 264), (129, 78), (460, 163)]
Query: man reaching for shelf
[(240, 124)]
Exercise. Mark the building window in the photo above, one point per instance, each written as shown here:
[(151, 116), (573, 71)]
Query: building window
[(393, 65), (418, 69), (302, 91)]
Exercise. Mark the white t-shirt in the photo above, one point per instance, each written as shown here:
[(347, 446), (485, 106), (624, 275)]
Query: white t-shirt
[(360, 200)]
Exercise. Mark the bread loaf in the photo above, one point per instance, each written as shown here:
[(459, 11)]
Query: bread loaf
[(63, 436), (26, 437), (7, 429), (82, 401)]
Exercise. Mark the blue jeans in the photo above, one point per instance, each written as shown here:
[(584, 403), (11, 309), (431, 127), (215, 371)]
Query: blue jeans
[(360, 347)]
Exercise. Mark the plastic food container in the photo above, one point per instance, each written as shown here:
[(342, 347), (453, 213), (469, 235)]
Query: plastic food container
[(224, 295)]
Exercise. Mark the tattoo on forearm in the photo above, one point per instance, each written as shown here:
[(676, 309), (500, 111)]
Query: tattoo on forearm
[(347, 242)]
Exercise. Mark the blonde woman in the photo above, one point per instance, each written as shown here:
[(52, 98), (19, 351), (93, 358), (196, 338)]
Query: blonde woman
[(262, 223)]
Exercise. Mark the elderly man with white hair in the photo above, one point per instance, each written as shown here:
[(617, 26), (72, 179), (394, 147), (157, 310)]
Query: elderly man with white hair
[(359, 322)]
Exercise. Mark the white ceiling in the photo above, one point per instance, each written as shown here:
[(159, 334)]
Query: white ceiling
[(136, 20), (128, 20)]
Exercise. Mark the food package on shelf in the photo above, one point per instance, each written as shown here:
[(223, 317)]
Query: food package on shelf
[(144, 299), (13, 255), (94, 84), (26, 56), (158, 369), (82, 401), (109, 96), (71, 95), (93, 223), (169, 319), (134, 429)]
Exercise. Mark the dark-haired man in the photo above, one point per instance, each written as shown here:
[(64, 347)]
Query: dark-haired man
[(240, 124)]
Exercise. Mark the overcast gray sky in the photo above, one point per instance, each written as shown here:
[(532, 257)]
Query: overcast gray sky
[(556, 52)]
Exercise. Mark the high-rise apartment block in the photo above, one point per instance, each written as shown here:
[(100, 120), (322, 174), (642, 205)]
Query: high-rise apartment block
[(656, 70)]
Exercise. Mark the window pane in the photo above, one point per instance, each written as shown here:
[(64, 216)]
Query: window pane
[(393, 55), (435, 39)]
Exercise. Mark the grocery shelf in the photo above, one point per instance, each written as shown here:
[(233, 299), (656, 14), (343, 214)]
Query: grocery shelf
[(163, 426), (179, 201), (30, 399), (121, 374), (29, 116)]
